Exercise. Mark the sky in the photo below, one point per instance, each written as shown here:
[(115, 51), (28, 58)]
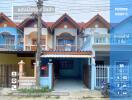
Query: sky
[(79, 10)]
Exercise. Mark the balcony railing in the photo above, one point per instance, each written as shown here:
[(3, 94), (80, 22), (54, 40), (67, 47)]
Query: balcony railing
[(102, 39), (10, 47), (67, 48), (34, 47), (7, 47)]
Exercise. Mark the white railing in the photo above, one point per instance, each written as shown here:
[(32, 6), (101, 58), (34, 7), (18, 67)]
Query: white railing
[(27, 82), (67, 47), (102, 74), (95, 39), (101, 39), (34, 47)]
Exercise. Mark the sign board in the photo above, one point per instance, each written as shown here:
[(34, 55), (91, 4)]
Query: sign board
[(22, 12)]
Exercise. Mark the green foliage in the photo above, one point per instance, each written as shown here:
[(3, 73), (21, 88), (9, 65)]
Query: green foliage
[(34, 90)]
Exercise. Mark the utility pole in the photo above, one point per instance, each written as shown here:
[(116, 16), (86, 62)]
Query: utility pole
[(39, 32)]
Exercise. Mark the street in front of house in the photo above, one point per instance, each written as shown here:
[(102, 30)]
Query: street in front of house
[(74, 95)]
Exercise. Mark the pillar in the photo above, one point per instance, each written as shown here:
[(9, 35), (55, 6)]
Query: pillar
[(21, 64), (50, 75), (93, 72)]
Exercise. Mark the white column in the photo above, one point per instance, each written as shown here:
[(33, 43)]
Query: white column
[(50, 75), (93, 72), (76, 44), (24, 48), (108, 73)]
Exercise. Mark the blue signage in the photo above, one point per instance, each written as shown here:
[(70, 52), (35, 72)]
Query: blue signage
[(121, 50)]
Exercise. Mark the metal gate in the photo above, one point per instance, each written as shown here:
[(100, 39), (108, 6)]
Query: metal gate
[(102, 74), (5, 74)]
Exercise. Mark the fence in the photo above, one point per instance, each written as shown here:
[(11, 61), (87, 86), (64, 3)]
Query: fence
[(5, 74), (102, 74)]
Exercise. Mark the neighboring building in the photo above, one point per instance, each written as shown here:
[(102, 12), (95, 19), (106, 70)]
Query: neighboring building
[(96, 37), (29, 28), (121, 53), (11, 37)]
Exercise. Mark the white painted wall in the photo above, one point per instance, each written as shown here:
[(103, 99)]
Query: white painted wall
[(28, 30), (96, 30)]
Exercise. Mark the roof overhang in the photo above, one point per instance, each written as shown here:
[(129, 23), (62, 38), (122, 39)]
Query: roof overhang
[(67, 54)]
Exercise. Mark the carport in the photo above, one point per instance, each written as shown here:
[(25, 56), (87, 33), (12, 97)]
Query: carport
[(67, 70)]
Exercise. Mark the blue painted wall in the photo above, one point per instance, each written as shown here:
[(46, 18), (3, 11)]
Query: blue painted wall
[(121, 56), (121, 52), (123, 28), (47, 81), (13, 31)]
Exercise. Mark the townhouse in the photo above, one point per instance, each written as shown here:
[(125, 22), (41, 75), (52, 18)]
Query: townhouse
[(71, 51)]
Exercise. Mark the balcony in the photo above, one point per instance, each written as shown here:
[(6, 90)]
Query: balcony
[(67, 47), (7, 47), (34, 47), (10, 47), (101, 39)]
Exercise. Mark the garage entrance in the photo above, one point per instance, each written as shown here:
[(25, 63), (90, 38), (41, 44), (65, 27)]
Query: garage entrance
[(71, 74), (67, 70)]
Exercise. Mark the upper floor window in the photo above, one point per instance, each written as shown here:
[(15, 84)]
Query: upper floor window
[(65, 38), (64, 41), (8, 38)]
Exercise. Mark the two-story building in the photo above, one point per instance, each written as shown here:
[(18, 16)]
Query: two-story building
[(96, 37), (11, 51), (68, 65), (29, 28)]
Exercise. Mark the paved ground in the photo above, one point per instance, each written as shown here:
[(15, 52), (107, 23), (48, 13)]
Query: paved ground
[(68, 85), (51, 98), (74, 95), (64, 90)]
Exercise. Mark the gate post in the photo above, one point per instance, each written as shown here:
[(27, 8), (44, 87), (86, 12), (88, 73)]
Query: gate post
[(21, 64), (93, 72), (50, 75)]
